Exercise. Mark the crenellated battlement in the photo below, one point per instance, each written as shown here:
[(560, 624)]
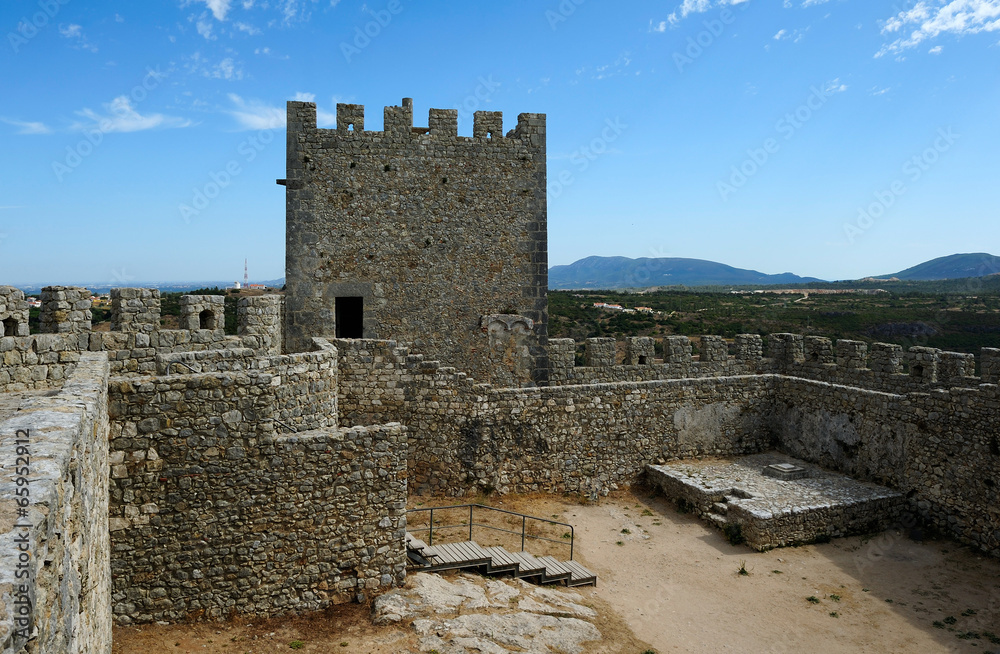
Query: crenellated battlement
[(881, 366), (398, 123), (136, 340)]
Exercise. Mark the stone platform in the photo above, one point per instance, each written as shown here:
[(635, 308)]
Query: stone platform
[(809, 505)]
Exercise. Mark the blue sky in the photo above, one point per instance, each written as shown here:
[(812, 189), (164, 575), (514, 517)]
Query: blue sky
[(831, 138)]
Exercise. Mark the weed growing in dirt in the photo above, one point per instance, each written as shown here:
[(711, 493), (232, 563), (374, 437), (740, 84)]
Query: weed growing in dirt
[(743, 572), (812, 599)]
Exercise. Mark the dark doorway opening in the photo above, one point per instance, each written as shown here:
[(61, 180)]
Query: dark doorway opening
[(349, 315), (9, 327), (206, 320)]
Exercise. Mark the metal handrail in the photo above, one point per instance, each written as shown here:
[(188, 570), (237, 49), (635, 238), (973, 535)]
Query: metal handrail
[(180, 363), (524, 521)]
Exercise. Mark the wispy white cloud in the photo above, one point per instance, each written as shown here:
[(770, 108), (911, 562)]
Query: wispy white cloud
[(226, 69), (122, 116), (936, 49), (219, 8), (28, 127), (74, 33), (876, 91), (780, 35), (658, 27), (688, 7), (254, 114), (246, 27), (835, 86), (930, 19), (204, 27)]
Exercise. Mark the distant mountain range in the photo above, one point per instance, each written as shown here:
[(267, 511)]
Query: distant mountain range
[(955, 266), (622, 272)]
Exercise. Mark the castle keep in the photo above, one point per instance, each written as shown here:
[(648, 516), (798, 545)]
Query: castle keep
[(189, 474), (421, 235)]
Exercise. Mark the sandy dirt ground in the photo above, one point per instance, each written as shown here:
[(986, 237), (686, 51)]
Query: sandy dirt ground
[(675, 583)]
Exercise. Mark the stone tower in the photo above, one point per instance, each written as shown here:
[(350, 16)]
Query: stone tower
[(420, 235)]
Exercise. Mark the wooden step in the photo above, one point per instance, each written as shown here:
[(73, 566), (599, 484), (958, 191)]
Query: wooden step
[(414, 543), (529, 566), (496, 561), (555, 571), (502, 561), (581, 575), (450, 556)]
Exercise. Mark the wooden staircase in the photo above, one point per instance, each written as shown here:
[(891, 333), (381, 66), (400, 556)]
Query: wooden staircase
[(496, 561)]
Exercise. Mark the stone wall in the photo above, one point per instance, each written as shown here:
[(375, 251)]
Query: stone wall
[(941, 448), (66, 550), (433, 231), (217, 507), (203, 312), (260, 317), (135, 310), (466, 436), (38, 362), (886, 367), (933, 443), (136, 342), (65, 310), (13, 312)]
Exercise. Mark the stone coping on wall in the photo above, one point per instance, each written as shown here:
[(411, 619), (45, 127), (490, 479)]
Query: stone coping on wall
[(68, 573)]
